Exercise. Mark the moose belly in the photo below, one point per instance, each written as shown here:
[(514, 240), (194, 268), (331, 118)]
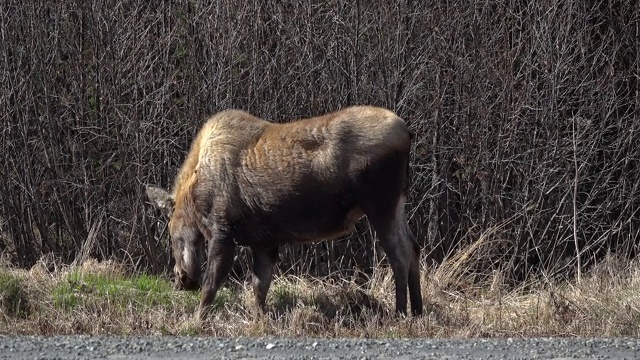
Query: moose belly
[(307, 209), (315, 217), (327, 227)]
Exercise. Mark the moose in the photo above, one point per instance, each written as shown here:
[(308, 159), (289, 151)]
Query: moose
[(255, 183)]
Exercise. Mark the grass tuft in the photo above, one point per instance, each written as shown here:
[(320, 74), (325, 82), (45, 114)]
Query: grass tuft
[(13, 301)]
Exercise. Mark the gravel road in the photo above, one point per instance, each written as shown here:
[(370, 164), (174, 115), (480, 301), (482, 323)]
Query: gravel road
[(91, 347)]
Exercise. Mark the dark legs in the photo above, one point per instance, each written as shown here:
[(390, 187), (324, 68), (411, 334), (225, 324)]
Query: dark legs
[(263, 260), (220, 261), (403, 254), (415, 292), (395, 237)]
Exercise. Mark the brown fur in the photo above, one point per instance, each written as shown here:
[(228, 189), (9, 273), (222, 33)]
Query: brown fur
[(251, 182)]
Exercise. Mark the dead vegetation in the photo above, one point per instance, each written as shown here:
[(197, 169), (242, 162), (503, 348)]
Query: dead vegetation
[(105, 298)]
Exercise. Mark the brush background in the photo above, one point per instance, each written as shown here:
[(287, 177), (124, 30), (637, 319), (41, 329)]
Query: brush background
[(526, 116)]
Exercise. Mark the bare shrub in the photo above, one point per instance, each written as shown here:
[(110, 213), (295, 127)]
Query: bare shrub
[(525, 114)]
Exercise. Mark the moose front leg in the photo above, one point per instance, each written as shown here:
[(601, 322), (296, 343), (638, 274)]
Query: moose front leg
[(219, 262)]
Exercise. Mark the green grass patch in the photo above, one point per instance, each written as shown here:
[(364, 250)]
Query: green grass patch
[(284, 296), (13, 301), (141, 291), (224, 296)]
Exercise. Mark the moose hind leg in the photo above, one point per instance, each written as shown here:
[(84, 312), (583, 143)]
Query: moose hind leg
[(263, 261), (396, 240), (415, 290)]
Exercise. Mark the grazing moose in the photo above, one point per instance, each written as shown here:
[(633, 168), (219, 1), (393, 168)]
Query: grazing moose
[(250, 182)]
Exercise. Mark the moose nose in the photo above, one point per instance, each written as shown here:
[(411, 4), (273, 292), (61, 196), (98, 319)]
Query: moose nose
[(186, 283)]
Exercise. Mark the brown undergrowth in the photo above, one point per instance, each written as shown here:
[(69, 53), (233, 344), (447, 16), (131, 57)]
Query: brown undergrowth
[(107, 298)]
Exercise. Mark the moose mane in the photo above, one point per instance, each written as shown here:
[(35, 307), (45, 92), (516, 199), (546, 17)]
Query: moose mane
[(227, 127), (190, 163)]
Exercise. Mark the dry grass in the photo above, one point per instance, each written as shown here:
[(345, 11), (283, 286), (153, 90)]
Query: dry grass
[(74, 300)]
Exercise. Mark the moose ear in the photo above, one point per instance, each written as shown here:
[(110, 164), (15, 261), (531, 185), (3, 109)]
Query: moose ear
[(160, 198)]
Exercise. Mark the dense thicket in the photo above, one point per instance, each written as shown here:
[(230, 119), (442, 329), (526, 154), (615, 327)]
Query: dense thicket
[(526, 116)]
